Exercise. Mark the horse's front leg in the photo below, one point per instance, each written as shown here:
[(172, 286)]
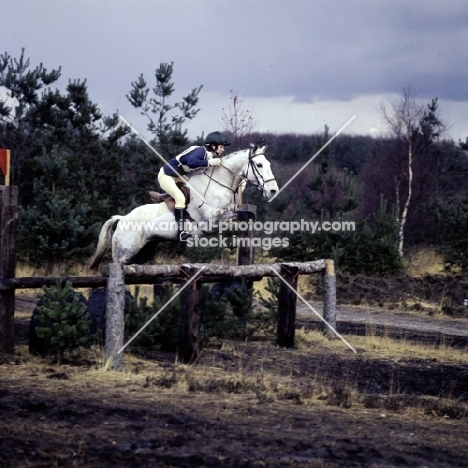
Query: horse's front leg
[(230, 215), (220, 214)]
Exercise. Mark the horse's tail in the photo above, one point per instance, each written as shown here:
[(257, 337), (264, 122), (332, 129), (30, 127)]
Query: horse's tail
[(104, 241)]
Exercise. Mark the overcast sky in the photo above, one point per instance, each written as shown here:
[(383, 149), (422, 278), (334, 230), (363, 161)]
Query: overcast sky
[(297, 64)]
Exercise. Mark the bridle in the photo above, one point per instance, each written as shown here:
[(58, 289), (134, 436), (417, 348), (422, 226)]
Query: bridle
[(256, 172), (243, 177)]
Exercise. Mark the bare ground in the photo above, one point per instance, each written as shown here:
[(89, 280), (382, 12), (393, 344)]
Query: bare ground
[(252, 403)]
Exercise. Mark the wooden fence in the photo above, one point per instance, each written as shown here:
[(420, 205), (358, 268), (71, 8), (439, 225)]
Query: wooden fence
[(191, 276), (8, 218)]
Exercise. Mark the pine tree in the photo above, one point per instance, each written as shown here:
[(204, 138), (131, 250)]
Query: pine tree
[(56, 227), (64, 321), (334, 193), (66, 159), (452, 214), (169, 117), (18, 110)]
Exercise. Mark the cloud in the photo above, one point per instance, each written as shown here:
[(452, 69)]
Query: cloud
[(283, 114), (305, 57)]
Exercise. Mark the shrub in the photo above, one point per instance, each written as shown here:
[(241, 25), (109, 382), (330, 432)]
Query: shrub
[(215, 319), (62, 322), (162, 332), (370, 250), (268, 319)]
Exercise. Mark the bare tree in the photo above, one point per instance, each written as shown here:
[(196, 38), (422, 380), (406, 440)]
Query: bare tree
[(403, 121), (237, 120)]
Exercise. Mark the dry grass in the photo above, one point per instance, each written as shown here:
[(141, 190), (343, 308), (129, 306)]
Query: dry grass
[(223, 387), (60, 269), (271, 374), (383, 347), (386, 347), (424, 261)]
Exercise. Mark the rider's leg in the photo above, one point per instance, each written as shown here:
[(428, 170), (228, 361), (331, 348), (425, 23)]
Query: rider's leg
[(168, 184), (180, 220)]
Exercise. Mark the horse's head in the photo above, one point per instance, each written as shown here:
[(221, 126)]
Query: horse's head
[(248, 166), (258, 171)]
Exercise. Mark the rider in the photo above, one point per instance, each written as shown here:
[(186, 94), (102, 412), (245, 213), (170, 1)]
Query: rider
[(191, 159)]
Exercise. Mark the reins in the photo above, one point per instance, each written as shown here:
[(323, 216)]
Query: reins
[(210, 176), (243, 178)]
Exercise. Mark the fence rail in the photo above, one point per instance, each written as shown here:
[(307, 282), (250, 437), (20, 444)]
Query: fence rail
[(223, 271), (36, 282)]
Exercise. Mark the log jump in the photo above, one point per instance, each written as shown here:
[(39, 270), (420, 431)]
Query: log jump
[(116, 277), (191, 277)]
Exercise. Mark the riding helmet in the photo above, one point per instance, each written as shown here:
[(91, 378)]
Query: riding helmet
[(216, 138)]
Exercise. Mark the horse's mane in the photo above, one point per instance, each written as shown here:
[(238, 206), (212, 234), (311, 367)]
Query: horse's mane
[(230, 155), (234, 153)]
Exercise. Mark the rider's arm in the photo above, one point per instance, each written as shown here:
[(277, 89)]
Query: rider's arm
[(171, 168), (196, 158)]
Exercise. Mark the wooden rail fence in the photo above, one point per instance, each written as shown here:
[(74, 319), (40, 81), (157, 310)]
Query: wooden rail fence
[(117, 277), (192, 276)]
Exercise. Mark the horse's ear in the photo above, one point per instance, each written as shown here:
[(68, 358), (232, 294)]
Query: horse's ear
[(262, 143)]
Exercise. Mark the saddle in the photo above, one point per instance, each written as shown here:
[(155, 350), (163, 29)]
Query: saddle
[(157, 197)]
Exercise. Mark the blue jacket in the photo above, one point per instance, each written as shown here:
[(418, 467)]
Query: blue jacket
[(191, 159)]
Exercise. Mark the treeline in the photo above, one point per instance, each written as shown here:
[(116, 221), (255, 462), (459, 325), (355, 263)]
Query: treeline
[(75, 168), (365, 180)]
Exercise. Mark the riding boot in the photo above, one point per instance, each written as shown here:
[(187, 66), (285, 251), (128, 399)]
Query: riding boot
[(182, 234)]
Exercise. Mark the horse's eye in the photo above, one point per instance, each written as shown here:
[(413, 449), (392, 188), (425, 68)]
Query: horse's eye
[(259, 165)]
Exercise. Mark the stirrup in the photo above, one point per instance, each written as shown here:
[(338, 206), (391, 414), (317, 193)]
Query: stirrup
[(183, 236)]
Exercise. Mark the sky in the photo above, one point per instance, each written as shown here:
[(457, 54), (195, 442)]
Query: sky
[(296, 65)]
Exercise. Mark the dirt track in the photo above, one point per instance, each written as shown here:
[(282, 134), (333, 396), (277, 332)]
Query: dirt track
[(249, 403), (417, 327), (100, 424)]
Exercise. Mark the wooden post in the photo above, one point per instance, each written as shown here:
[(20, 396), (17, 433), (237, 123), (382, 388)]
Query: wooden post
[(189, 325), (245, 254), (158, 288), (287, 306), (8, 218), (115, 316), (329, 297)]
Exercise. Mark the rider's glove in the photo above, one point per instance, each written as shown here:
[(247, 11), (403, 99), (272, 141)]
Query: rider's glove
[(214, 162)]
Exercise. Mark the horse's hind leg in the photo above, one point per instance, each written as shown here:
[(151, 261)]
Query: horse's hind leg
[(125, 246)]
